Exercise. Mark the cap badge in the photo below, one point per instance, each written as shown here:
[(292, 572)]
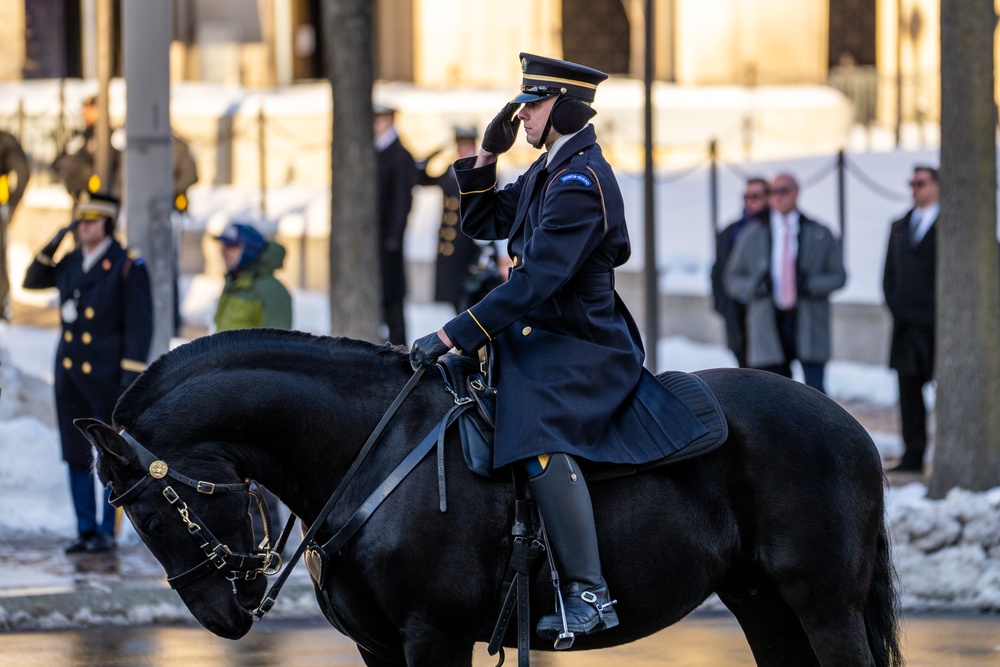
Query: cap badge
[(524, 64)]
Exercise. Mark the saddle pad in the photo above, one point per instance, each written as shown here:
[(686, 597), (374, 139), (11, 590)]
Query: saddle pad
[(697, 395)]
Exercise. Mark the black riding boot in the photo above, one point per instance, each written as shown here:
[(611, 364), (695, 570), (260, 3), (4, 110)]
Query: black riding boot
[(564, 503)]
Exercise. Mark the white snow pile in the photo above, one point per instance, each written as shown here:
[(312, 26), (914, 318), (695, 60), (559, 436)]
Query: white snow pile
[(947, 552)]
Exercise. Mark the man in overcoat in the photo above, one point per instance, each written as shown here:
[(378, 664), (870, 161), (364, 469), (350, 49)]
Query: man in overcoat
[(106, 310), (908, 283), (784, 269), (732, 311), (395, 177), (567, 352)]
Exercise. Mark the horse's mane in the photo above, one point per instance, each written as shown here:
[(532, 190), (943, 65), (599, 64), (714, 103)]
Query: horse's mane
[(256, 348)]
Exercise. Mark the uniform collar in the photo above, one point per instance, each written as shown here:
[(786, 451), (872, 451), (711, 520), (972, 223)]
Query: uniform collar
[(560, 142), (90, 257), (561, 150)]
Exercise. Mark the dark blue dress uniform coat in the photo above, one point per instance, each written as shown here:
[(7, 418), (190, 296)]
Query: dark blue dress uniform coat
[(567, 353), (102, 349)]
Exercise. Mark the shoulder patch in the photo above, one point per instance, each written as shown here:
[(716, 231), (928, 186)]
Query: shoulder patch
[(580, 178)]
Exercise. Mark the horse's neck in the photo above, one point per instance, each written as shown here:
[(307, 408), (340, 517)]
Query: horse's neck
[(317, 437)]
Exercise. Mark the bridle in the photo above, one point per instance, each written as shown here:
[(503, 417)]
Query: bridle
[(218, 556), (267, 560)]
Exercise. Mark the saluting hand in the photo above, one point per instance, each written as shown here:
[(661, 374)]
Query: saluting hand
[(53, 245), (502, 130), (426, 350)]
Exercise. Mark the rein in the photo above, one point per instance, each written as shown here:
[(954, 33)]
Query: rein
[(272, 594)]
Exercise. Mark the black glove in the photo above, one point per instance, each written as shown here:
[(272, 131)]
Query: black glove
[(426, 350), (53, 245), (502, 130)]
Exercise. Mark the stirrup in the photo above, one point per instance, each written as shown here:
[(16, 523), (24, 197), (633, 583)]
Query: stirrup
[(564, 640)]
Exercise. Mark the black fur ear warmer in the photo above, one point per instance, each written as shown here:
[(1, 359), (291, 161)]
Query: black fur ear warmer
[(570, 115)]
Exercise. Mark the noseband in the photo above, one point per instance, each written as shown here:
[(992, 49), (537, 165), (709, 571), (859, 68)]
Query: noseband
[(218, 556)]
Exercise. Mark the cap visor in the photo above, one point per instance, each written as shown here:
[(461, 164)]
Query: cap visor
[(524, 98)]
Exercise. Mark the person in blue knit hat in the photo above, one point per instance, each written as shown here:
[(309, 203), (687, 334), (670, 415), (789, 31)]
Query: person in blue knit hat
[(252, 296)]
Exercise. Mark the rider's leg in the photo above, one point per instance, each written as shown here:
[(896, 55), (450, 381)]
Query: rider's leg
[(564, 503)]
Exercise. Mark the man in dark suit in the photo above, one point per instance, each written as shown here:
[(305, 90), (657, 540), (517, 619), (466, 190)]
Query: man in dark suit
[(567, 354), (107, 324), (908, 284), (733, 312), (395, 178)]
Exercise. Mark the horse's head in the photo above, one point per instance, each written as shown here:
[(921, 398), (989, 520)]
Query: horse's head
[(200, 530)]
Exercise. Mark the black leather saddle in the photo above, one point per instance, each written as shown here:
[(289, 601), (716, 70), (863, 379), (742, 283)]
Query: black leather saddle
[(465, 381)]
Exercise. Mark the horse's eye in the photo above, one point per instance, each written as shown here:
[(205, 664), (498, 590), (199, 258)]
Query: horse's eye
[(153, 524)]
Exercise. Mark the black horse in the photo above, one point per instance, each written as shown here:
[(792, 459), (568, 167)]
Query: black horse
[(784, 521)]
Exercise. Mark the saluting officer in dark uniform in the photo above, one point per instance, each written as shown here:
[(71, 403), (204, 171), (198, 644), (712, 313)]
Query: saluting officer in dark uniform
[(567, 353), (107, 325), (457, 254)]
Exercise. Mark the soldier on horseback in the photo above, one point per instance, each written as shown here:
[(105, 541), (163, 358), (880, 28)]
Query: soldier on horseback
[(567, 353)]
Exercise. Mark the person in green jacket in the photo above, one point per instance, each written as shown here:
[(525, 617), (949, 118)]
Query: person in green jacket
[(252, 297)]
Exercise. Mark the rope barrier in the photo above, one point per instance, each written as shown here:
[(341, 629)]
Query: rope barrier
[(742, 173), (873, 186), (819, 175)]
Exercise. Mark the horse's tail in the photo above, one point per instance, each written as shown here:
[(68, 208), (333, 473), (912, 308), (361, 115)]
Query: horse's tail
[(882, 607)]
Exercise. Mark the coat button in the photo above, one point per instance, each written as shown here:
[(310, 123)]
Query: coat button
[(89, 313), (67, 363), (86, 338), (68, 336), (525, 331), (85, 367)]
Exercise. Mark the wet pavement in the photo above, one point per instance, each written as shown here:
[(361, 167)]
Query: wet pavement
[(700, 640), (43, 588)]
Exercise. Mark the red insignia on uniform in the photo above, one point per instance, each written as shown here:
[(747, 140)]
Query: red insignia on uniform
[(106, 264)]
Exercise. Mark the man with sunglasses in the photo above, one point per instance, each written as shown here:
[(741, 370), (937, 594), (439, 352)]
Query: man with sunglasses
[(908, 283), (107, 324), (734, 312), (785, 270)]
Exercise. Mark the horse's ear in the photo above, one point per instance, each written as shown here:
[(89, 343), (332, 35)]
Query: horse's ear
[(106, 439)]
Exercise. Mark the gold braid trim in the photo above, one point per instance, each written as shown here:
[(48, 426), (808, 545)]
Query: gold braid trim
[(488, 336), (133, 365), (479, 192)]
